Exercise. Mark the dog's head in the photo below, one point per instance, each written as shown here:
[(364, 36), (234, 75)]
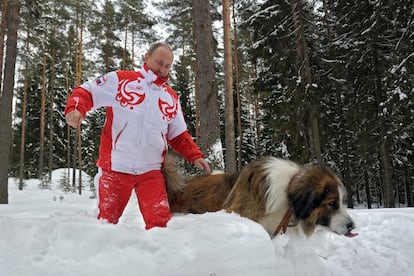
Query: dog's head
[(317, 197)]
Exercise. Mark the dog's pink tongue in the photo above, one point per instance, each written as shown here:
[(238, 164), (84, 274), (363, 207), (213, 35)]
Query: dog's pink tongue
[(351, 235)]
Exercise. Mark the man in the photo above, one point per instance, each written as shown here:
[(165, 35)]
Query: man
[(143, 116)]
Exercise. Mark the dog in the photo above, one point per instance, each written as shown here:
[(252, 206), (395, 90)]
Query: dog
[(196, 194), (273, 192)]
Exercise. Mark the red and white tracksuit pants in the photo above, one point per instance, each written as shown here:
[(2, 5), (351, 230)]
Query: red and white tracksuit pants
[(114, 190)]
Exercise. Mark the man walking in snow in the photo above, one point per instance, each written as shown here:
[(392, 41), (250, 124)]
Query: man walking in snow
[(143, 117)]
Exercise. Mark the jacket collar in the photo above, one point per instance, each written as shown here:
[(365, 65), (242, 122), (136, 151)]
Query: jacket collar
[(151, 77)]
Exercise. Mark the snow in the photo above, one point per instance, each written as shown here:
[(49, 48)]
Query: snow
[(49, 232)]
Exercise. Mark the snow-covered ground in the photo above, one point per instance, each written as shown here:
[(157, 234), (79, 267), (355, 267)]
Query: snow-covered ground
[(48, 232)]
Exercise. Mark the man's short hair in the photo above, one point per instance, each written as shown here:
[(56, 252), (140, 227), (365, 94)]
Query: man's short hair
[(157, 45)]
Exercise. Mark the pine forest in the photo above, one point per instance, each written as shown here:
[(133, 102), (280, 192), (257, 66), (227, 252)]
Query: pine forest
[(318, 82)]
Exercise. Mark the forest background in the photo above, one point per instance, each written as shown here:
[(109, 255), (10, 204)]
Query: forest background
[(325, 81)]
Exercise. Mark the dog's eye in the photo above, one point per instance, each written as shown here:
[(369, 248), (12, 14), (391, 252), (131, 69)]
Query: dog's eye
[(333, 204)]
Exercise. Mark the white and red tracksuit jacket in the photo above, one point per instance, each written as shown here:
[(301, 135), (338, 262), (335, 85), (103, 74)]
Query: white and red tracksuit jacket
[(143, 115)]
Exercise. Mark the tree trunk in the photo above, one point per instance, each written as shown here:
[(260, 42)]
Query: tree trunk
[(51, 109), (378, 190), (77, 148), (257, 120), (228, 92), (236, 73), (209, 135), (24, 107), (42, 120), (74, 164), (78, 48), (132, 49), (124, 54), (341, 100), (7, 97), (408, 187), (79, 160), (23, 132), (389, 201), (68, 131), (306, 77), (79, 79), (344, 146), (367, 189), (386, 163), (2, 35)]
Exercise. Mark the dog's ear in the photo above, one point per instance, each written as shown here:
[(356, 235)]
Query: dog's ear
[(303, 200)]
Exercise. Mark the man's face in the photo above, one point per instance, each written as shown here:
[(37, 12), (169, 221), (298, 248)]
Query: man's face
[(159, 61)]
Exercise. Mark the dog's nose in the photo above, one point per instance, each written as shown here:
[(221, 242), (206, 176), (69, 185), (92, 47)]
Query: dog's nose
[(350, 226)]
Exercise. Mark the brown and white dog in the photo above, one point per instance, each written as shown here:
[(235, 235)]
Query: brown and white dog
[(275, 193)]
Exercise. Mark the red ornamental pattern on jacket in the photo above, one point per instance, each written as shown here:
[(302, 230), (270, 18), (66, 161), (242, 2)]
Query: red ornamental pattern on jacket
[(128, 95), (169, 111)]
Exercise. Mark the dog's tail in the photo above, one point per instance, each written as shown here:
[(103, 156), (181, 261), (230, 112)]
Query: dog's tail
[(174, 181)]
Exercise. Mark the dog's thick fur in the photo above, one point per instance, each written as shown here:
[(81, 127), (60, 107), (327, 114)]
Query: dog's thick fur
[(197, 194), (264, 191)]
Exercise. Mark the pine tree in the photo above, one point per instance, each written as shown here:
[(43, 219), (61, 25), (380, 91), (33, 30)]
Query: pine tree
[(281, 104), (206, 89), (136, 26), (373, 47), (13, 12)]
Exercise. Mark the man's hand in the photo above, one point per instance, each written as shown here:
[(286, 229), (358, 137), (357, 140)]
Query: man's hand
[(202, 165), (74, 118)]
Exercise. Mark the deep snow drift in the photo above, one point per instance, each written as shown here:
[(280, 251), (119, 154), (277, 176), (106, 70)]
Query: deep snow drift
[(48, 232)]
